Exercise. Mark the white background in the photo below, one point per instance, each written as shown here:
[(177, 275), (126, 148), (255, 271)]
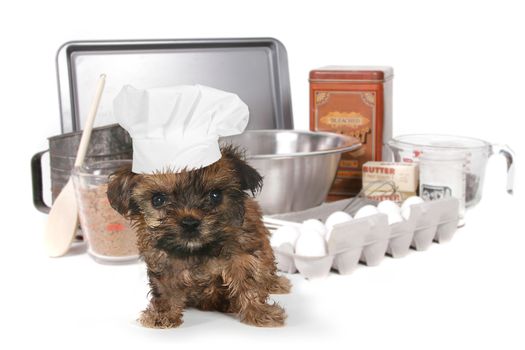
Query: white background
[(458, 69)]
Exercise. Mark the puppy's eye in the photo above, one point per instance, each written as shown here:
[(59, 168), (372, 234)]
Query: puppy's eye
[(158, 200), (216, 197)]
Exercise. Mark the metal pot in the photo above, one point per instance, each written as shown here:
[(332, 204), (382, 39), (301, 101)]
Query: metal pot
[(109, 142), (298, 167)]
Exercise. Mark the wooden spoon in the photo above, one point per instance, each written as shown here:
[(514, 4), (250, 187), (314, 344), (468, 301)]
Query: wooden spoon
[(62, 222)]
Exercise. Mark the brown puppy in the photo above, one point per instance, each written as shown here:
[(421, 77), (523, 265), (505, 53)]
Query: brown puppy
[(203, 241)]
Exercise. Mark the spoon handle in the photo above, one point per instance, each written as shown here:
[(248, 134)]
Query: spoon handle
[(86, 134)]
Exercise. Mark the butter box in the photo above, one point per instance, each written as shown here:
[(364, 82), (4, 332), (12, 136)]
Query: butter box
[(382, 176)]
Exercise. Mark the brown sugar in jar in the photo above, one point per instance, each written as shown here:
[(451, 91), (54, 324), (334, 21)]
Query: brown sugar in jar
[(110, 237), (354, 101)]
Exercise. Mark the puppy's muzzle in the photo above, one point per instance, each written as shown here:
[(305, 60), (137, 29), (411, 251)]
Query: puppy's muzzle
[(190, 226)]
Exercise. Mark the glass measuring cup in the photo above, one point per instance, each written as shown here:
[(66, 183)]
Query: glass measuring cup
[(474, 152)]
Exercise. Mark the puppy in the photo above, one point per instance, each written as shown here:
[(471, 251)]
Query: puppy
[(203, 241)]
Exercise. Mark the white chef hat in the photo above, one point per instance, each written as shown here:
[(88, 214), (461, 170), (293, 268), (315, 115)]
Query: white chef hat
[(178, 128)]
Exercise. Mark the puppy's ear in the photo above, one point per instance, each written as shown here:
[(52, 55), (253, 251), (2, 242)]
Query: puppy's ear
[(120, 186), (249, 177)]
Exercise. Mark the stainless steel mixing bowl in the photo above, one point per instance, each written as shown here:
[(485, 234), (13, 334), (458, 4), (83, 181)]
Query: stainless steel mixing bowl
[(298, 167)]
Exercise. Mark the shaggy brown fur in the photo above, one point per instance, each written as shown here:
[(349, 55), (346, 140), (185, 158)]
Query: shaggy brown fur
[(203, 241)]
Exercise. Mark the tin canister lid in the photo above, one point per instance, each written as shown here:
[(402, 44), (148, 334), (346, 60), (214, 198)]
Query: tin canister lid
[(352, 73)]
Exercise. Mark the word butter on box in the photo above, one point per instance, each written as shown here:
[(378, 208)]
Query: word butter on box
[(388, 180)]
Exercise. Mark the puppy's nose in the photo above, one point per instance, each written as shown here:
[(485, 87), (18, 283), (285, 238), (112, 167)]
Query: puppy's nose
[(190, 223)]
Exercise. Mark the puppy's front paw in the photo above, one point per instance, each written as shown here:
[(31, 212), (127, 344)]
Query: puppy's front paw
[(152, 319), (264, 315), (281, 285)]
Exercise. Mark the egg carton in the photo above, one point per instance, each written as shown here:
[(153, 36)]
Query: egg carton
[(368, 239)]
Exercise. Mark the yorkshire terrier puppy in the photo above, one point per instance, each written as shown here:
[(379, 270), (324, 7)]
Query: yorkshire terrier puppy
[(203, 241)]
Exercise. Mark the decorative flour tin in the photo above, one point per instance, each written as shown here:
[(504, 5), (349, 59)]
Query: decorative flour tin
[(355, 101)]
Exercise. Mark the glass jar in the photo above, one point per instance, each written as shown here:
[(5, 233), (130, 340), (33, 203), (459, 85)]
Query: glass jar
[(109, 236), (441, 175)]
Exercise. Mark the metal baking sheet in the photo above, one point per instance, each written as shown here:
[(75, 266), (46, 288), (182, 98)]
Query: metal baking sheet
[(255, 69)]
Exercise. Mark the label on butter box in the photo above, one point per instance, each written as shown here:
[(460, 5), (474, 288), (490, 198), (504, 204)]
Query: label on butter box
[(404, 177)]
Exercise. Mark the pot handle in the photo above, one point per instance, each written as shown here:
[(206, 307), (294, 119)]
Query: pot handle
[(36, 178), (505, 151)]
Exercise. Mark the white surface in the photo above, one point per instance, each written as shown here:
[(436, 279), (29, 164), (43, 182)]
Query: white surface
[(456, 71)]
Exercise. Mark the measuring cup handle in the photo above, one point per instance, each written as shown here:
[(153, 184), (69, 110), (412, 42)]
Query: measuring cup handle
[(389, 152), (505, 151)]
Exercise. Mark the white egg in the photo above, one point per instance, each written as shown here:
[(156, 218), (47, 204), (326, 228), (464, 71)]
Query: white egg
[(367, 210), (335, 218), (310, 243), (388, 206), (405, 207), (392, 210), (284, 234), (316, 225)]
